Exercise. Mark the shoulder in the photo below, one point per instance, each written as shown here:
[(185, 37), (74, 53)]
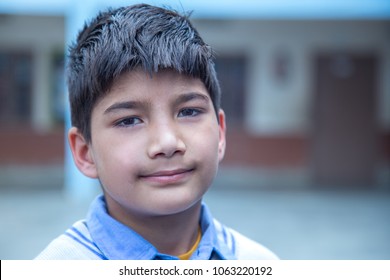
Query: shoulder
[(74, 244), (243, 247)]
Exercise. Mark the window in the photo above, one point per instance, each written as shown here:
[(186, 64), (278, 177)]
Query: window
[(15, 87), (231, 71)]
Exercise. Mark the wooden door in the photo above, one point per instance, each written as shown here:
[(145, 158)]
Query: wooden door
[(344, 133)]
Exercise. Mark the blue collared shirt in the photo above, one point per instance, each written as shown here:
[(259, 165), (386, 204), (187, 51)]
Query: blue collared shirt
[(101, 237), (117, 241)]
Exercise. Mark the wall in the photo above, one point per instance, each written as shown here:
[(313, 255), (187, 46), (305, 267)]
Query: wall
[(274, 147), (278, 116), (43, 36), (275, 108)]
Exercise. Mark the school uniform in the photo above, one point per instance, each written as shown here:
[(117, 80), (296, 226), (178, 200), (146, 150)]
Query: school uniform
[(101, 237)]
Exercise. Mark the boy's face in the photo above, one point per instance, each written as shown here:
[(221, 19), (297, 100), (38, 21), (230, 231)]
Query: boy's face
[(156, 144)]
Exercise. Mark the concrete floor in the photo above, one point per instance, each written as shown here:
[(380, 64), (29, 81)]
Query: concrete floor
[(295, 225)]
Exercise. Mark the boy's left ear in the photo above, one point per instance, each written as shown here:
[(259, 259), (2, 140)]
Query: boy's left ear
[(222, 134)]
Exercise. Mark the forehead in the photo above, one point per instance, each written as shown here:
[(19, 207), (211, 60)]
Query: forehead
[(163, 80), (164, 85)]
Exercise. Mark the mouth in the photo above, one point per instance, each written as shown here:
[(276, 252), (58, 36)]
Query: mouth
[(165, 177)]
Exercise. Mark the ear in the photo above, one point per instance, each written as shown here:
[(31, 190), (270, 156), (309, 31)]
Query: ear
[(82, 153), (222, 134)]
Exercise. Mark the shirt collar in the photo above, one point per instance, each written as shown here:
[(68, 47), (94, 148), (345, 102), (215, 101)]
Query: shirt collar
[(119, 242), (210, 246)]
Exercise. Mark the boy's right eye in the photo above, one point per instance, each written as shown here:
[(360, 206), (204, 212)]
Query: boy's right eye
[(129, 121)]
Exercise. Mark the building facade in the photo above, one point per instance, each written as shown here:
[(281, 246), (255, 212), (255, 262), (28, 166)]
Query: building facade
[(307, 101)]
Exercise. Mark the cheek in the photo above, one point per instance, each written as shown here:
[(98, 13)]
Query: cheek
[(207, 143), (117, 159)]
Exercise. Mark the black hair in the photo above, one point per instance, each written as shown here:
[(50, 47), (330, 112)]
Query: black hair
[(120, 40)]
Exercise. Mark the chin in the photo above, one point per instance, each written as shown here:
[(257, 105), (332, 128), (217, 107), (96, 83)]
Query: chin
[(176, 207)]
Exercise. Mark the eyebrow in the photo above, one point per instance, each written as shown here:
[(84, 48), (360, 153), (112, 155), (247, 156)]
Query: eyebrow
[(129, 105), (186, 97), (126, 105)]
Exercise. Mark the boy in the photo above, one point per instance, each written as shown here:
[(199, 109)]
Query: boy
[(147, 123)]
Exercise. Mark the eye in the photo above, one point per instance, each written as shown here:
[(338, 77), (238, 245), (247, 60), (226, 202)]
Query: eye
[(189, 112), (129, 121)]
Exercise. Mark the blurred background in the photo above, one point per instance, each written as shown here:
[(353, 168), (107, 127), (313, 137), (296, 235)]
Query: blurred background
[(306, 90)]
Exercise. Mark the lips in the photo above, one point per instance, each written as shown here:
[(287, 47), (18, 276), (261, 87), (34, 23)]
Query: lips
[(174, 176)]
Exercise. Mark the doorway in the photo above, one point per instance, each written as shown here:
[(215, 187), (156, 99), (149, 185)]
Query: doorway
[(344, 133)]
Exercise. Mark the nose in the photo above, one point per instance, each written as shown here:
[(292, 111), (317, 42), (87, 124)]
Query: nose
[(165, 141)]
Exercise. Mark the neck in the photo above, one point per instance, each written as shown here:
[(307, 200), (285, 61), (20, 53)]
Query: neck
[(171, 234)]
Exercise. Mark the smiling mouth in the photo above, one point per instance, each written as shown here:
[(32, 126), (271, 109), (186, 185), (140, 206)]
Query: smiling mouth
[(168, 176)]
